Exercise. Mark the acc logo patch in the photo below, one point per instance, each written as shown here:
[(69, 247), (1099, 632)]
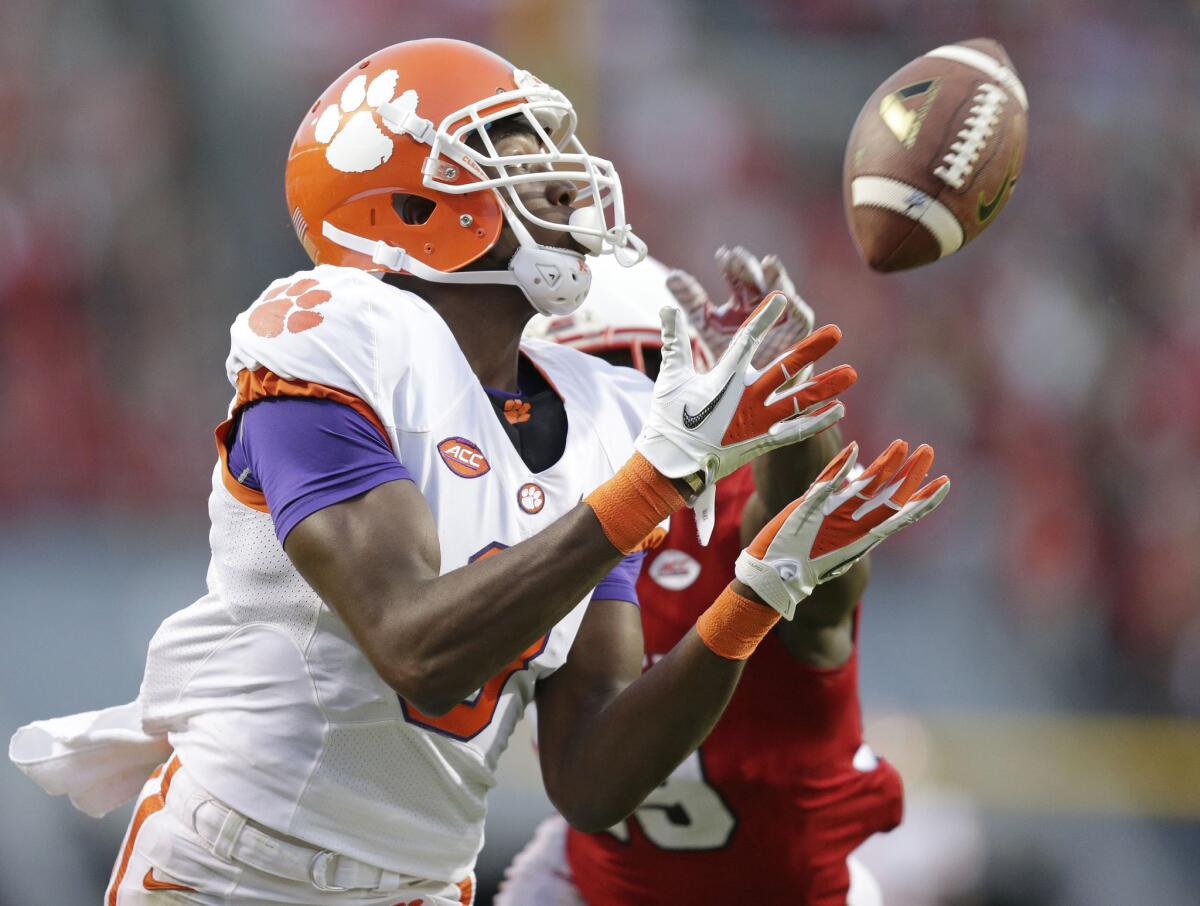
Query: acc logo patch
[(674, 570), (530, 497), (463, 458)]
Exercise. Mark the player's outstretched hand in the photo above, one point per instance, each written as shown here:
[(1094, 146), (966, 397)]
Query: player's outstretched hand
[(825, 532), (703, 426), (748, 279)]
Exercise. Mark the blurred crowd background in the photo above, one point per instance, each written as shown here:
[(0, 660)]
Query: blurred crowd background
[(1031, 657)]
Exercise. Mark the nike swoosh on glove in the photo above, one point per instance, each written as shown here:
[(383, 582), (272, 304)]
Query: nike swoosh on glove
[(821, 535), (710, 424)]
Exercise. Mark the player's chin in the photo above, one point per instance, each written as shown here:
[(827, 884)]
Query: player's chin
[(558, 239)]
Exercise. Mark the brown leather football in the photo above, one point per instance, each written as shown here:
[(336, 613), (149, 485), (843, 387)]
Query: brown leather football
[(934, 155)]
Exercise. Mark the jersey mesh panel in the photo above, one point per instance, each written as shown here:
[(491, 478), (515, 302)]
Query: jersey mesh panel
[(256, 563), (360, 759)]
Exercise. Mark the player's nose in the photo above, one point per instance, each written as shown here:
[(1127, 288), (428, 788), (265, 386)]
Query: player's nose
[(561, 192)]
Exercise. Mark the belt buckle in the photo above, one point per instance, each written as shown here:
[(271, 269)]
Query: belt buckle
[(319, 867)]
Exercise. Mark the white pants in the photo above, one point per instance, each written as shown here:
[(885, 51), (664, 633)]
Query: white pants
[(164, 859), (541, 875)]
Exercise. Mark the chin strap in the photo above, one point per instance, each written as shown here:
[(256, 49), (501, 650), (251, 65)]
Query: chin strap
[(554, 281), (395, 258)]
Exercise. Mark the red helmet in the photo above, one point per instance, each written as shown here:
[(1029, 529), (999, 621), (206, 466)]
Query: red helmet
[(397, 124)]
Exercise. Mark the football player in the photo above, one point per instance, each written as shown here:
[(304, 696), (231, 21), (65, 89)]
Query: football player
[(771, 805), (416, 518)]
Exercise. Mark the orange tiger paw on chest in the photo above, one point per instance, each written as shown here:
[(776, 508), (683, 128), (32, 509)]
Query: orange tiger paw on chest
[(517, 412)]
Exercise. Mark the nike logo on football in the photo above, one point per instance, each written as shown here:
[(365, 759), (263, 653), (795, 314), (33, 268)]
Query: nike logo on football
[(693, 421), (988, 208), (152, 883)]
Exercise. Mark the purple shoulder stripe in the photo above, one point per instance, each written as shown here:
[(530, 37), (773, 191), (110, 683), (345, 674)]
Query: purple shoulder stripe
[(306, 454)]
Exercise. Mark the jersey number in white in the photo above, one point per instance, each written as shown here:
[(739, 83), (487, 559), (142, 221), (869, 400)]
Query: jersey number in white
[(683, 813)]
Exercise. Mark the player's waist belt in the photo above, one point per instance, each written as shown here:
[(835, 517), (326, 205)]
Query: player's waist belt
[(231, 836)]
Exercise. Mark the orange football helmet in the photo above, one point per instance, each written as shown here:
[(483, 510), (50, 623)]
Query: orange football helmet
[(397, 125)]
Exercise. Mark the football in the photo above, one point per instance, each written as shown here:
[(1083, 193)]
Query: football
[(934, 155)]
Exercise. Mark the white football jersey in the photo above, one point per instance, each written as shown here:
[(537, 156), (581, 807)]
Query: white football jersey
[(265, 696)]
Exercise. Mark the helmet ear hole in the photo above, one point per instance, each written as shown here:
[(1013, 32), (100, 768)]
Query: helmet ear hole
[(413, 209)]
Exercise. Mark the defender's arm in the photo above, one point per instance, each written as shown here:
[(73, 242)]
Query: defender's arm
[(822, 634), (608, 734)]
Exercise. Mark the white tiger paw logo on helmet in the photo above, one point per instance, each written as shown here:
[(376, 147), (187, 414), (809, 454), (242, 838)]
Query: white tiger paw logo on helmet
[(357, 143)]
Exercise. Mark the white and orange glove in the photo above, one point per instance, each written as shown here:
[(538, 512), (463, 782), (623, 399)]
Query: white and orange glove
[(702, 427), (748, 279), (840, 518)]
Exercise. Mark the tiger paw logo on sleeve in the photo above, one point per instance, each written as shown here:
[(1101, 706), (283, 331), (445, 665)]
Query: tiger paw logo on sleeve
[(289, 307)]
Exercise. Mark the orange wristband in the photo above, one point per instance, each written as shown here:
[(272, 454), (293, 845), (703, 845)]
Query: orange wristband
[(733, 625), (631, 503)]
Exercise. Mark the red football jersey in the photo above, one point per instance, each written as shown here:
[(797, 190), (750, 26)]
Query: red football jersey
[(778, 796)]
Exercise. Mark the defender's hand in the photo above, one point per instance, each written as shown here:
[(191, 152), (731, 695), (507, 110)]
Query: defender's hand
[(825, 532), (702, 427), (748, 279)]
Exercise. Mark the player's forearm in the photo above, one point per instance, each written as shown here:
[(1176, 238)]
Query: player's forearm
[(822, 633), (620, 754), (472, 622), (451, 633), (436, 638)]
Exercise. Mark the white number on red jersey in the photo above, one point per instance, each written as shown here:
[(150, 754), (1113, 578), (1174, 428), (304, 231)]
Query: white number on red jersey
[(684, 812)]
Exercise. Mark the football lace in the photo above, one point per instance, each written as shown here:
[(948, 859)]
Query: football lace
[(980, 124)]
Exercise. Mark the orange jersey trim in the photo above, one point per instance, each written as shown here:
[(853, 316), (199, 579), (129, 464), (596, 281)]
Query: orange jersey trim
[(148, 806), (653, 540), (263, 384)]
